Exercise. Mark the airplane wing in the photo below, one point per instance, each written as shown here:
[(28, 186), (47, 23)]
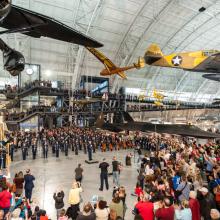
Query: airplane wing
[(102, 58), (20, 20)]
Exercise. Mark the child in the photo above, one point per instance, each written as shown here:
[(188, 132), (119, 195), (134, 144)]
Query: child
[(63, 215)]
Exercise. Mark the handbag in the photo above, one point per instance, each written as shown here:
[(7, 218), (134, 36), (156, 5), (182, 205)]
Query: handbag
[(179, 192)]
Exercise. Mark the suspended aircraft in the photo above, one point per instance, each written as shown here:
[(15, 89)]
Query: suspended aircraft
[(19, 20), (158, 96), (216, 101), (198, 61), (111, 68), (131, 125)]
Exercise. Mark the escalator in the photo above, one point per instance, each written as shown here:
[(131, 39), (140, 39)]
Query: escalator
[(41, 111)]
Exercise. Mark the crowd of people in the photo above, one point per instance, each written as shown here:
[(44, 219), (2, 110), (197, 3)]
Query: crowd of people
[(181, 182), (177, 178), (66, 139), (28, 85)]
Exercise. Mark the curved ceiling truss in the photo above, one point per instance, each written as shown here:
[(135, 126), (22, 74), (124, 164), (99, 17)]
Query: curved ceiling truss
[(127, 28)]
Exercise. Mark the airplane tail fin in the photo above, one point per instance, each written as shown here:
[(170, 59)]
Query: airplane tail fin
[(153, 54), (100, 121), (127, 117), (140, 63), (155, 93), (122, 75)]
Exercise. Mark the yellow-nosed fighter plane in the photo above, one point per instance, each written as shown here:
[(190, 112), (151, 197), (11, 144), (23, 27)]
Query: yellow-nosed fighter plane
[(198, 61), (110, 67), (158, 96)]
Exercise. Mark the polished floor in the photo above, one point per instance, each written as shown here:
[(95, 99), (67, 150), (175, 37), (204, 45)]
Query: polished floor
[(53, 174)]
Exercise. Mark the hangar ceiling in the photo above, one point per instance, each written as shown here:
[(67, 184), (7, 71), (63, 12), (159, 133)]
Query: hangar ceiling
[(127, 28)]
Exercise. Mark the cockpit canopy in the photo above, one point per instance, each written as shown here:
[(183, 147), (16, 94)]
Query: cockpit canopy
[(210, 52)]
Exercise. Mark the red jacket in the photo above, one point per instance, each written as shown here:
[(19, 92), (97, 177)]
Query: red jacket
[(146, 210), (43, 218), (5, 198), (195, 209)]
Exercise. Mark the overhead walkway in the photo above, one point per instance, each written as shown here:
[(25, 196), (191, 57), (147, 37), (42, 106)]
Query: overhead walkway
[(16, 118), (114, 98), (48, 91)]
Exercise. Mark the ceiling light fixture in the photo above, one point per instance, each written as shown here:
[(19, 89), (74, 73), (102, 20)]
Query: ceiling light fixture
[(29, 71), (202, 9)]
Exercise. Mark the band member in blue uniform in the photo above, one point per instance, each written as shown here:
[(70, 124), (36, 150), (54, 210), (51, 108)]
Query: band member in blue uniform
[(45, 149), (89, 149), (57, 149), (34, 149), (66, 148)]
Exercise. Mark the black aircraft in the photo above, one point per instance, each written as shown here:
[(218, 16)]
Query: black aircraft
[(213, 76), (19, 20), (131, 125)]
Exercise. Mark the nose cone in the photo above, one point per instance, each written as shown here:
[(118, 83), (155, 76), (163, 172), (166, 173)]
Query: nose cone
[(14, 62), (5, 7)]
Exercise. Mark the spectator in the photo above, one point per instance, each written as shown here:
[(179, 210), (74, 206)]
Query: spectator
[(18, 181), (112, 215), (43, 215), (117, 205), (104, 174), (215, 215), (74, 200), (1, 214), (176, 180), (165, 211), (183, 189), (194, 206), (207, 202), (62, 215), (59, 204), (5, 198), (87, 213), (183, 212), (29, 185), (138, 191), (145, 208), (15, 215), (78, 173), (35, 215), (102, 211), (115, 171)]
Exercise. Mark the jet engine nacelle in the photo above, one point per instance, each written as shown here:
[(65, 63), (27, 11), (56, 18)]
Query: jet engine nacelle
[(14, 62), (5, 7)]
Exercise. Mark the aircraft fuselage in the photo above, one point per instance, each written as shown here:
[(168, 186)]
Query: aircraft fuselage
[(198, 61)]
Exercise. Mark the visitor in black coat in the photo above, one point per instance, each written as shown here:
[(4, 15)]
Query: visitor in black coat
[(59, 204), (58, 197), (29, 185)]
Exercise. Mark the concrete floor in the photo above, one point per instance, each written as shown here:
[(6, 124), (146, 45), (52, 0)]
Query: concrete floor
[(58, 173)]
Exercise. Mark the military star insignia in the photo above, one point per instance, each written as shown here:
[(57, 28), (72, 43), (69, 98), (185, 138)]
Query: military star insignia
[(177, 60)]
